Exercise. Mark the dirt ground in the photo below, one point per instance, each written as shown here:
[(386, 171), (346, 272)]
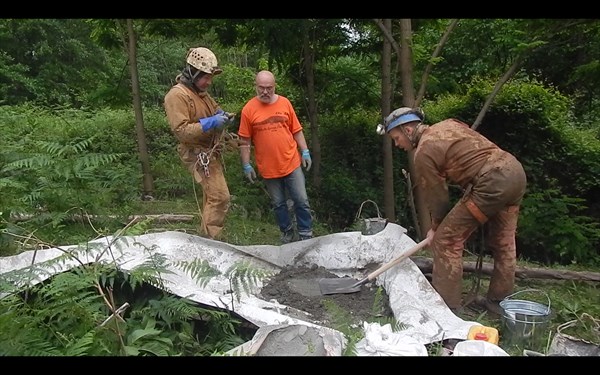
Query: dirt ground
[(298, 287)]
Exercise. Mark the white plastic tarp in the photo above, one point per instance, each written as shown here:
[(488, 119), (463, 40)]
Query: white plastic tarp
[(413, 300)]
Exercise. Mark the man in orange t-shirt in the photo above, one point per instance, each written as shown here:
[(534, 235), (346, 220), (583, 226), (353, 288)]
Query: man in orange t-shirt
[(269, 122)]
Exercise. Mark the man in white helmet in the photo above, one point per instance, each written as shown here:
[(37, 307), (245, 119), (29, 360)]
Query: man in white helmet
[(198, 122), (493, 183)]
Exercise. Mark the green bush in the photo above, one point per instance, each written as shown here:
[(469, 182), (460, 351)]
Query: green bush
[(551, 229)]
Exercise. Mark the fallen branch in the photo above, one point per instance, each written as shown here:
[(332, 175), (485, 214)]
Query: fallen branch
[(163, 218), (426, 266)]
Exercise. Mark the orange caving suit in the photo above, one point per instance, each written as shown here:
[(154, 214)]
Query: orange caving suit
[(184, 108), (493, 182)]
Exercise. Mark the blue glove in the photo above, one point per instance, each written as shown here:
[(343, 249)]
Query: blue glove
[(249, 172), (217, 121), (306, 160), (229, 115)]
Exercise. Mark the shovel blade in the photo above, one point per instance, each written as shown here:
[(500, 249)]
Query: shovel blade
[(341, 285)]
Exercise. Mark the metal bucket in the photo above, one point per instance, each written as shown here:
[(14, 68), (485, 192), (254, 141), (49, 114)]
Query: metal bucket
[(372, 225), (525, 322)]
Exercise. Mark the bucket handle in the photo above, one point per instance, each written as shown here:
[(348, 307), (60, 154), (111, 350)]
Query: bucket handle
[(361, 207), (531, 290)]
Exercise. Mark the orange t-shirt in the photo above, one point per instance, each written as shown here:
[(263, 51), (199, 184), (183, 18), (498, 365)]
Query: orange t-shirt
[(271, 128)]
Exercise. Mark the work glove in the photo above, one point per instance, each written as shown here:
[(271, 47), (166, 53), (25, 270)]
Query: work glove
[(306, 160), (230, 116), (249, 172), (217, 121)]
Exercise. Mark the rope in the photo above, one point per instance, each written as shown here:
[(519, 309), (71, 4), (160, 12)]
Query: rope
[(474, 292)]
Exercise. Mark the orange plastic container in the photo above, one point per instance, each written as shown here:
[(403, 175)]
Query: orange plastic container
[(489, 334)]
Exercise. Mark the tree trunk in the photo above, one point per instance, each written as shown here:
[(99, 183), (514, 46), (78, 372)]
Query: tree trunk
[(389, 201), (309, 70), (408, 100), (148, 182)]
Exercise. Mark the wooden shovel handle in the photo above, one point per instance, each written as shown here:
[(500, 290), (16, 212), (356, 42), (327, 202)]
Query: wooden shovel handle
[(398, 259)]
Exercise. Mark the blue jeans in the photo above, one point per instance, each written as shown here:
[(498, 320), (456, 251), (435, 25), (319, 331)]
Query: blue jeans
[(292, 186)]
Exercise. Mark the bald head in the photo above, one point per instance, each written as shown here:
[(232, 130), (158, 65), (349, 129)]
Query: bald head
[(265, 86), (265, 78)]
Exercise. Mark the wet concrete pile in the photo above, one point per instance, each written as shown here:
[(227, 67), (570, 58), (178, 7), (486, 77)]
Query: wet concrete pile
[(298, 287)]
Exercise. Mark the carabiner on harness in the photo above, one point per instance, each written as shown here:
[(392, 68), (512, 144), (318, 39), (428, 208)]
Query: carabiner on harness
[(204, 160)]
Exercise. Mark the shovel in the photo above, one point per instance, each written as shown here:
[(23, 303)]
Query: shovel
[(346, 285)]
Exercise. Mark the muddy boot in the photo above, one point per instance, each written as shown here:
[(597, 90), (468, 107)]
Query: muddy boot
[(287, 236), (481, 303), (493, 308)]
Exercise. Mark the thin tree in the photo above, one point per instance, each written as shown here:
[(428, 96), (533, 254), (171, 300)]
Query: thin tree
[(389, 206), (408, 100), (131, 48), (108, 33), (308, 64)]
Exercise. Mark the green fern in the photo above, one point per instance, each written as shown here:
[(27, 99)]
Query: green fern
[(150, 271), (52, 181), (170, 309), (81, 346), (341, 319), (71, 312), (199, 270), (378, 303), (243, 277)]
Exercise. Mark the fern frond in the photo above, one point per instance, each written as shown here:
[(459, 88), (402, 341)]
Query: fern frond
[(35, 161), (380, 301), (28, 345), (151, 271), (227, 342), (341, 319), (81, 346), (136, 229), (244, 277), (19, 335), (198, 269), (172, 309), (95, 160), (53, 148)]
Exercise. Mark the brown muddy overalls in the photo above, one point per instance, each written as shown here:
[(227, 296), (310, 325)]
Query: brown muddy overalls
[(200, 153), (493, 182)]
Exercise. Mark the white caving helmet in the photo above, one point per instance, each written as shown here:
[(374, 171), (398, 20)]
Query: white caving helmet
[(400, 116), (204, 60)]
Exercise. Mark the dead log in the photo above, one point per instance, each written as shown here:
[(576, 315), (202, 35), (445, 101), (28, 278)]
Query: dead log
[(162, 218), (426, 266)]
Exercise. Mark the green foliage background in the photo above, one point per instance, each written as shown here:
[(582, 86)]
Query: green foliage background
[(68, 140), (68, 150)]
